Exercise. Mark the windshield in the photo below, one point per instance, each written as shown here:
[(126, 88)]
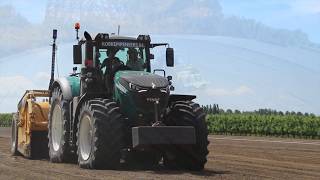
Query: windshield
[(133, 58)]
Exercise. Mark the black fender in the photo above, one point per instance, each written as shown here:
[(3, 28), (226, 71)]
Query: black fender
[(65, 87), (75, 115), (181, 97)]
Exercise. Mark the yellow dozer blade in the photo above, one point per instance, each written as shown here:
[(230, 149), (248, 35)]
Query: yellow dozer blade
[(30, 125)]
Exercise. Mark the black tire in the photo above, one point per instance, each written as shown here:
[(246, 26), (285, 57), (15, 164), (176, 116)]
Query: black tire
[(102, 150), (61, 152), (39, 145), (191, 157), (14, 135)]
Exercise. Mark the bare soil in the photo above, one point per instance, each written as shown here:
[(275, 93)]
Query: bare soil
[(230, 158)]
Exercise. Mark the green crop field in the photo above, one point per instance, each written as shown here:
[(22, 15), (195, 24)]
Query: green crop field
[(263, 123), (5, 119)]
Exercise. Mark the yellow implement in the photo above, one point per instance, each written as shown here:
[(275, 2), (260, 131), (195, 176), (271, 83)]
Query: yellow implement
[(30, 125)]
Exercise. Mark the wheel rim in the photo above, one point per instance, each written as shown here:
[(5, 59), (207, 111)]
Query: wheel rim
[(56, 132), (85, 137)]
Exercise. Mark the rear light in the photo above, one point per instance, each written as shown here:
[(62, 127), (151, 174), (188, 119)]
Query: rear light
[(88, 63)]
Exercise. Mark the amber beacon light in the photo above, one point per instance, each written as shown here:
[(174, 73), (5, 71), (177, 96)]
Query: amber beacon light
[(77, 26)]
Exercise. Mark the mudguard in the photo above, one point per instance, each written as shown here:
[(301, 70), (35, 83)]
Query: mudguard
[(180, 97), (69, 86)]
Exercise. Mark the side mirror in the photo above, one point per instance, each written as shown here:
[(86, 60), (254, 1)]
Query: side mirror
[(151, 56), (77, 54), (170, 57), (169, 78)]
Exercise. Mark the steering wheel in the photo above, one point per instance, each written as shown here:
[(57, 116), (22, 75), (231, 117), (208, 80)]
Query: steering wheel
[(122, 66), (116, 66), (120, 62), (114, 62)]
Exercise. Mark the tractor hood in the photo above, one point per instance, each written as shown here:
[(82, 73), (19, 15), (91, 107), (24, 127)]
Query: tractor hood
[(142, 79), (137, 92)]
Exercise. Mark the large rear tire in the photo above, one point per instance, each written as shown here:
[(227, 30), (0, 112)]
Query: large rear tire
[(100, 135), (14, 135), (58, 129), (191, 157)]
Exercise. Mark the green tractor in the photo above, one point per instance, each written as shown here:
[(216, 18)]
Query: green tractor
[(117, 111)]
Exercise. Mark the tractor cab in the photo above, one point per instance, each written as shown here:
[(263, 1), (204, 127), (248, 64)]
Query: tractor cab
[(131, 52), (118, 67), (102, 57)]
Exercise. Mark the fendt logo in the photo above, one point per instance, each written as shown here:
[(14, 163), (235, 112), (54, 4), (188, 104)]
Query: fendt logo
[(153, 99), (153, 85)]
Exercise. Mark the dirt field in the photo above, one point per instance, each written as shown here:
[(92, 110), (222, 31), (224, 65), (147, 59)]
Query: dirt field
[(229, 158)]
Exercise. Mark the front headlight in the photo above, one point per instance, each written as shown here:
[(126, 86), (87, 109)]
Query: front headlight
[(165, 90), (137, 88)]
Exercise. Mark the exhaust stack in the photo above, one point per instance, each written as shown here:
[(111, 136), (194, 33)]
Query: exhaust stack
[(54, 48)]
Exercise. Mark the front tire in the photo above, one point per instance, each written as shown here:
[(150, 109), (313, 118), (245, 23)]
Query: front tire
[(100, 135), (58, 129), (14, 135), (192, 157)]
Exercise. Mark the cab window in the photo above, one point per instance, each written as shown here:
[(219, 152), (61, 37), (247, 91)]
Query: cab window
[(133, 58)]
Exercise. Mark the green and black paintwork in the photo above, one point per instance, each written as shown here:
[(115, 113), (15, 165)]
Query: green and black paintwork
[(143, 97), (133, 104)]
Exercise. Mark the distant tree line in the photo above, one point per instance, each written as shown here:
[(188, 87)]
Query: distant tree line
[(215, 109)]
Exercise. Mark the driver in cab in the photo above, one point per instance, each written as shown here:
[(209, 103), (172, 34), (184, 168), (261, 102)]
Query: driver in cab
[(134, 62), (111, 61)]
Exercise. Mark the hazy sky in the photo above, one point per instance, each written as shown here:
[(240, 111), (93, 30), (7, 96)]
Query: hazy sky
[(239, 73), (287, 14), (33, 10)]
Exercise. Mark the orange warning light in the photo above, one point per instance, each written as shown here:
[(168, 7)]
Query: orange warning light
[(77, 26)]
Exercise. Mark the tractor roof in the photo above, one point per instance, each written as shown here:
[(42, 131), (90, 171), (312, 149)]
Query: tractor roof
[(106, 37), (122, 37)]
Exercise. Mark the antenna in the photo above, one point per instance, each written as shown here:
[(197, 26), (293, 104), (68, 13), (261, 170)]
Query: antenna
[(54, 48), (118, 30)]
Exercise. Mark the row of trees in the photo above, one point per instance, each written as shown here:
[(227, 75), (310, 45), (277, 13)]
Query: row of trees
[(215, 109)]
